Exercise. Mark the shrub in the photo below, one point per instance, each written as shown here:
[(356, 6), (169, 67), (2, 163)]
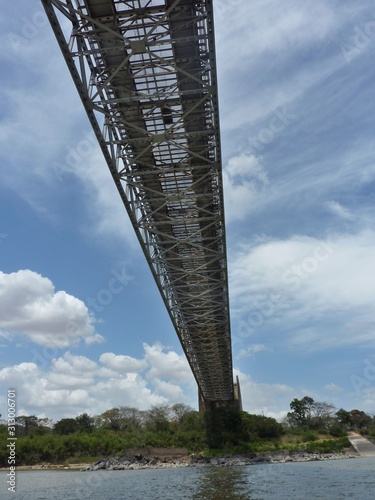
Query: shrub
[(328, 446), (309, 436)]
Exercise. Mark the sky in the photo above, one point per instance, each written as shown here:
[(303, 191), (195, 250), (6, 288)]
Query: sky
[(82, 325)]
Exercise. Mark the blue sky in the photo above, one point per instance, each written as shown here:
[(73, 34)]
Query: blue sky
[(82, 326)]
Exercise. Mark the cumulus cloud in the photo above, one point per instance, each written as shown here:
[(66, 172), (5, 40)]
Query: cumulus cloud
[(122, 363), (72, 384), (71, 372), (172, 391), (30, 306), (35, 395), (129, 390), (266, 399), (166, 365)]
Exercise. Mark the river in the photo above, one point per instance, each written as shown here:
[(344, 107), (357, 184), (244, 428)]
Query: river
[(331, 480)]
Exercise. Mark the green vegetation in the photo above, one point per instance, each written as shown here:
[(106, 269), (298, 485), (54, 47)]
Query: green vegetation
[(321, 417), (310, 426)]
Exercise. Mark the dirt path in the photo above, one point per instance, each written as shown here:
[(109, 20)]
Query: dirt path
[(364, 447)]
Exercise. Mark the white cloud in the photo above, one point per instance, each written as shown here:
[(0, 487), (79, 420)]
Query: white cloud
[(84, 160), (367, 399), (166, 365), (302, 280), (337, 209), (130, 390), (173, 392), (74, 384), (269, 26), (243, 178), (333, 388), (30, 306), (34, 395), (55, 143), (272, 400), (272, 35), (122, 363), (71, 372), (251, 350)]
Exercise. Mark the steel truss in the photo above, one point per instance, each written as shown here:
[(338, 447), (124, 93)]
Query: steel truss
[(145, 71)]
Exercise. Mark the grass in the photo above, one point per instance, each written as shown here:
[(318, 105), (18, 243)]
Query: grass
[(291, 443)]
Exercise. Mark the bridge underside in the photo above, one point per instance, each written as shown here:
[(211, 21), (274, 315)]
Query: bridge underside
[(145, 71), (211, 406)]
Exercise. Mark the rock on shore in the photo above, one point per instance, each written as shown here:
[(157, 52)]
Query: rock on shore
[(142, 462)]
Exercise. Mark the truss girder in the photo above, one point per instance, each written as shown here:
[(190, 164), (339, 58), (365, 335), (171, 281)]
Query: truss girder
[(145, 72)]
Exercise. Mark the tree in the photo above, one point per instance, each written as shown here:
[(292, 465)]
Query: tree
[(85, 423), (122, 418), (30, 424), (65, 426), (180, 411), (301, 410), (343, 417), (313, 414), (110, 419), (321, 416), (259, 426), (158, 417), (131, 418), (359, 419)]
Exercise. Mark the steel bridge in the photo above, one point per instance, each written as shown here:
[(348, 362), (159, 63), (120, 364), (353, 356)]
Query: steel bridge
[(146, 74)]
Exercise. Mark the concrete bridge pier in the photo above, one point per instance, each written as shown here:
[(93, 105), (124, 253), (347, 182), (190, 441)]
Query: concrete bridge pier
[(223, 421)]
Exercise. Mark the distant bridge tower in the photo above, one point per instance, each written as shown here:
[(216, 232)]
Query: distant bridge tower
[(146, 74)]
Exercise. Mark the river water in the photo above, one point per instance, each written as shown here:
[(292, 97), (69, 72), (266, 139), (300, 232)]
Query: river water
[(331, 480)]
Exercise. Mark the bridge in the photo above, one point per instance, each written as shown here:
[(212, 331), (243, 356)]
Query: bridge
[(145, 71)]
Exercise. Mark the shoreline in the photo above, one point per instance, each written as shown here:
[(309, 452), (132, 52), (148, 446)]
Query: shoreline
[(139, 462)]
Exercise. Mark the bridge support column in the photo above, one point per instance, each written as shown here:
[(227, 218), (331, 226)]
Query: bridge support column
[(223, 419), (237, 394)]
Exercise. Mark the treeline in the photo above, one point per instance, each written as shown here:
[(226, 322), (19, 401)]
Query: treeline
[(87, 438), (312, 415), (309, 425)]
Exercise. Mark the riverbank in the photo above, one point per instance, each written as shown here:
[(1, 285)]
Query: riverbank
[(136, 462), (141, 462), (47, 467)]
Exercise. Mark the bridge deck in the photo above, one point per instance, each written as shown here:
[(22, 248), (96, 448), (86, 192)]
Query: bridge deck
[(145, 71)]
